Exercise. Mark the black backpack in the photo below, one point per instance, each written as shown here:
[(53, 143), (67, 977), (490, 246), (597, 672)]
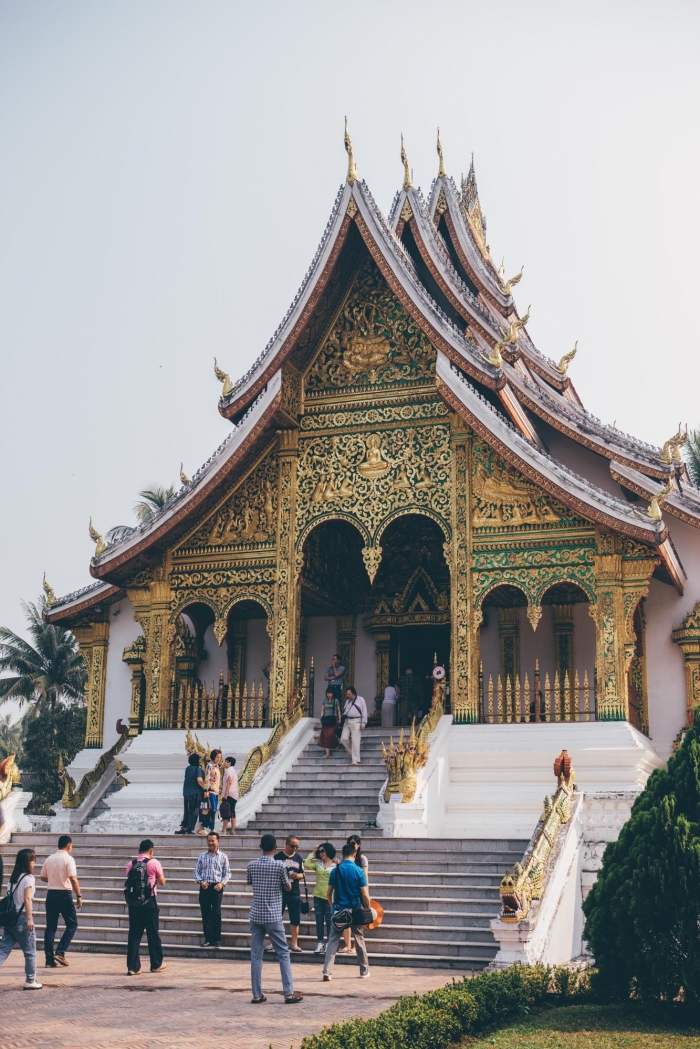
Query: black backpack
[(137, 888), (9, 915)]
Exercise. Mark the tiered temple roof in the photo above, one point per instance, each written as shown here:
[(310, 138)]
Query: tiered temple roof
[(434, 257)]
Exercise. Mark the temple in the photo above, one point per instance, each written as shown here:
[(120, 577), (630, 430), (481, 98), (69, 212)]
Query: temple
[(408, 481)]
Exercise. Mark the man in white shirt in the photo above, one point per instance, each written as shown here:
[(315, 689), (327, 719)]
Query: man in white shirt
[(59, 871), (229, 793), (355, 713)]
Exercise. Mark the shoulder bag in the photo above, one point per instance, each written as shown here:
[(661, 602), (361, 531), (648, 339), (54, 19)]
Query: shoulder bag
[(9, 915), (304, 905), (355, 916)]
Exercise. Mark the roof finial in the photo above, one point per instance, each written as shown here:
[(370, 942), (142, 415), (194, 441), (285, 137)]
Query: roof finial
[(223, 377), (406, 169), (441, 170), (657, 501), (513, 280), (567, 359), (352, 170), (97, 539), (671, 450), (183, 476), (48, 590)]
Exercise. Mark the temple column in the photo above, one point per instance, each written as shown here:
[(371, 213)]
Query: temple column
[(345, 640), (286, 603), (93, 641), (237, 637), (609, 615), (464, 646), (134, 656), (151, 611), (382, 649), (687, 637), (509, 655)]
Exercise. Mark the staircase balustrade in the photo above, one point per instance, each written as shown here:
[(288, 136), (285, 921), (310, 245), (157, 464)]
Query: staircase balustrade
[(514, 699)]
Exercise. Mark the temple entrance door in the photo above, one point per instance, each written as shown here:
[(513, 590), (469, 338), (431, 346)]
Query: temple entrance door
[(418, 649)]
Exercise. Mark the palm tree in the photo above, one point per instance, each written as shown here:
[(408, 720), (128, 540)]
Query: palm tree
[(46, 672), (692, 456), (152, 500), (10, 736)]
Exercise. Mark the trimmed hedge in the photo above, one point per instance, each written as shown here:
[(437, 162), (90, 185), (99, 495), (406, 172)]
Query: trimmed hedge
[(438, 1018)]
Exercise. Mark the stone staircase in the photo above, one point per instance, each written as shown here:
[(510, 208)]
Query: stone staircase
[(439, 896)]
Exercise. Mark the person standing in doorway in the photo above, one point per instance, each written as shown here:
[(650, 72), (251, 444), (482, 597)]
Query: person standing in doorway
[(143, 876), (355, 713), (21, 888), (60, 874), (294, 866), (389, 707), (192, 793), (269, 880), (212, 789), (211, 872), (347, 889), (229, 795), (334, 676)]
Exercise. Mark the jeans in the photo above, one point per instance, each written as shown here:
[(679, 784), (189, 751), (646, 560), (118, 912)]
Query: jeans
[(275, 930), (210, 907), (19, 934), (322, 912), (191, 804), (59, 902), (210, 820), (352, 732), (144, 919), (334, 943)]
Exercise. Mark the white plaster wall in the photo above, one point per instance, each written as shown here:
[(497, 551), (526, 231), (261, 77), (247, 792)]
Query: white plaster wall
[(595, 468), (365, 666), (216, 659), (257, 651), (123, 631), (321, 643), (665, 609)]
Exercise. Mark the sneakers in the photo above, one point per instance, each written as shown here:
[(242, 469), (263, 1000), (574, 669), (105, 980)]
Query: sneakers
[(327, 977), (319, 949), (61, 959), (207, 944), (365, 976), (32, 985)]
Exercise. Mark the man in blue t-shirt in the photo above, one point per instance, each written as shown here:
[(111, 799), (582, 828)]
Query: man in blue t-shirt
[(347, 888)]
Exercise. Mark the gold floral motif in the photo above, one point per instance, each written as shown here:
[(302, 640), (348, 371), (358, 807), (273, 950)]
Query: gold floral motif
[(246, 517), (372, 556), (502, 497)]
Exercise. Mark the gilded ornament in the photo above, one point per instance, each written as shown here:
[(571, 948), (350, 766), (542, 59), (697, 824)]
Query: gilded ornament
[(670, 453), (441, 206), (224, 378), (407, 183), (352, 208), (510, 284), (657, 501), (220, 629), (566, 360), (352, 170), (374, 464), (502, 497), (49, 591), (372, 556), (406, 213), (441, 170), (97, 540), (183, 476), (9, 775)]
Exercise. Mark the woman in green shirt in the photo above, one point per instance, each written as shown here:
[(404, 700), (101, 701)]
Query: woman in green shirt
[(322, 861)]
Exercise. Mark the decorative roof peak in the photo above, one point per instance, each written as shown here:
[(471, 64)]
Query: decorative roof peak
[(352, 175), (441, 170), (407, 181)]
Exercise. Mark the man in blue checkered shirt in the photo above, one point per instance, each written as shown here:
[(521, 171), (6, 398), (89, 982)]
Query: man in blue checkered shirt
[(269, 878), (211, 871)]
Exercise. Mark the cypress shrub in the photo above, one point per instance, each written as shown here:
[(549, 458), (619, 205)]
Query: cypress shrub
[(643, 913)]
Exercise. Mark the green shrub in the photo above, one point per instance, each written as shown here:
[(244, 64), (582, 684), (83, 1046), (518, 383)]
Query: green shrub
[(642, 913), (437, 1019), (48, 732)]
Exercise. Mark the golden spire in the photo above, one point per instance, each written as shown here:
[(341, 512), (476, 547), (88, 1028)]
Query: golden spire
[(657, 501), (183, 476), (97, 540), (48, 590), (352, 170), (407, 183), (566, 360), (441, 170), (513, 280), (224, 378)]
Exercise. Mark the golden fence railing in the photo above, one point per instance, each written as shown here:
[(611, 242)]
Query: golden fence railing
[(516, 699), (224, 707)]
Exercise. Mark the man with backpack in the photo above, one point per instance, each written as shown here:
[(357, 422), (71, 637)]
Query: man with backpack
[(143, 876), (350, 902)]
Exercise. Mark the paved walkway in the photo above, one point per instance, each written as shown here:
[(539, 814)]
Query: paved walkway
[(94, 1005)]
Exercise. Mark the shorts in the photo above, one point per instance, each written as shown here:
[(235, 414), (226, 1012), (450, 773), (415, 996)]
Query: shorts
[(292, 903)]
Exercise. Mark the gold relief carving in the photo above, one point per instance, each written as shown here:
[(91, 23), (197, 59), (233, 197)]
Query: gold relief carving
[(286, 590), (375, 342), (93, 641), (406, 213), (291, 391), (687, 637), (441, 206), (372, 478), (217, 578), (247, 516), (371, 416), (534, 614), (464, 687), (351, 209), (502, 497), (372, 556), (220, 628)]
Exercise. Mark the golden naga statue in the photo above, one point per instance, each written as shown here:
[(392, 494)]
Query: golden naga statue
[(657, 501), (509, 284), (441, 170), (495, 358), (97, 539), (49, 591), (670, 453), (566, 360), (224, 378), (194, 746), (183, 476), (407, 183), (9, 776), (352, 175), (403, 763)]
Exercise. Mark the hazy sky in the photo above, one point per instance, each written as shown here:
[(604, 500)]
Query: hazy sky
[(167, 169)]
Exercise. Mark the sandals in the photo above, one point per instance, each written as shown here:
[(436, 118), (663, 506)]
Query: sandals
[(258, 1001), (293, 999)]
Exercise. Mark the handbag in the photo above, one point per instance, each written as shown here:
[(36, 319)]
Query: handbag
[(304, 905), (355, 916), (328, 720)]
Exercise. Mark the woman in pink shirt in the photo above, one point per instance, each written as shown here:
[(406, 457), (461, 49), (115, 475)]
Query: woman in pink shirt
[(229, 797)]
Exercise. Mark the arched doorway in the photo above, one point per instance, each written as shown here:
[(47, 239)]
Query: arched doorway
[(248, 658)]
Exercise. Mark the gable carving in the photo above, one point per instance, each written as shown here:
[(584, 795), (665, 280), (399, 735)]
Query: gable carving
[(374, 343), (502, 498), (246, 517)]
